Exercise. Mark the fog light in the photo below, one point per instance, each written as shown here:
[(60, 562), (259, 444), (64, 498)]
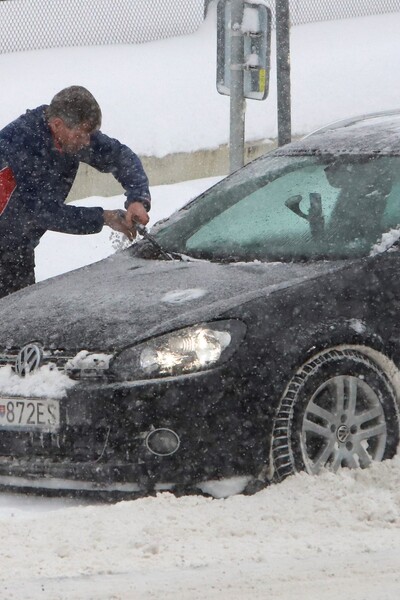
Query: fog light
[(163, 442)]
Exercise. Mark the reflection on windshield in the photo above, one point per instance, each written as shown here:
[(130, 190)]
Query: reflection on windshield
[(291, 208)]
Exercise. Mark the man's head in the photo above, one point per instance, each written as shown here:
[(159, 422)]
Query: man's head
[(73, 115)]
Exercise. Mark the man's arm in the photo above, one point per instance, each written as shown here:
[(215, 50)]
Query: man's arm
[(108, 155), (84, 220)]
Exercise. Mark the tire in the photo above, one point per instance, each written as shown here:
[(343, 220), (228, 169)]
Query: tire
[(339, 410)]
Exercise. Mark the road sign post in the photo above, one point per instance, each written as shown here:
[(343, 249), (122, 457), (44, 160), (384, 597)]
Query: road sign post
[(237, 101), (243, 63), (283, 72)]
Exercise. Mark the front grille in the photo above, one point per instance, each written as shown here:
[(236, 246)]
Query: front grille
[(58, 358), (62, 361)]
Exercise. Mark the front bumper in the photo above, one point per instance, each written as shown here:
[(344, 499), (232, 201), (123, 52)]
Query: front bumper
[(103, 444)]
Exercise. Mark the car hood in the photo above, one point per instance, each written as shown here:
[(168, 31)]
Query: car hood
[(122, 300)]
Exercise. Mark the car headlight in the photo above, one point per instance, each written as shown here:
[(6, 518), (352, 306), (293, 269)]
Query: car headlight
[(187, 350)]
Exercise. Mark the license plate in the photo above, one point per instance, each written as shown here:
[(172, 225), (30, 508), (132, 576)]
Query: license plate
[(29, 414)]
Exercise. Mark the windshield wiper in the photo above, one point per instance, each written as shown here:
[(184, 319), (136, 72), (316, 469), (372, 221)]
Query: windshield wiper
[(141, 229)]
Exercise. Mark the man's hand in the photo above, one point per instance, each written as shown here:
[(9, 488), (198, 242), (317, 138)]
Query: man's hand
[(126, 221), (117, 220), (136, 213)]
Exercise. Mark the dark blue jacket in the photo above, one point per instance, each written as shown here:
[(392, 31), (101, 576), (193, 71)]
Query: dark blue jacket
[(36, 177)]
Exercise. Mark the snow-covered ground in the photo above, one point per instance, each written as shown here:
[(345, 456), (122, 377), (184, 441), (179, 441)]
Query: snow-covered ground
[(309, 538)]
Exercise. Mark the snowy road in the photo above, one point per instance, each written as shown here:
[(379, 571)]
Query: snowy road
[(309, 537), (306, 578)]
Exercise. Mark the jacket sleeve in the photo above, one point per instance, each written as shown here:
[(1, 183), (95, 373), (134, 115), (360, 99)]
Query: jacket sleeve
[(26, 212), (66, 218), (110, 156)]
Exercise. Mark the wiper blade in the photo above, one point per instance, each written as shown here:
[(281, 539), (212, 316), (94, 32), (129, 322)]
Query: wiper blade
[(141, 229)]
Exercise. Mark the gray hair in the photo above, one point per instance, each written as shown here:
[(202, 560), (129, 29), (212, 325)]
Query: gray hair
[(75, 105)]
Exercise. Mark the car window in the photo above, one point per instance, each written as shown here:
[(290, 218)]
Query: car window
[(391, 215), (264, 215), (292, 208)]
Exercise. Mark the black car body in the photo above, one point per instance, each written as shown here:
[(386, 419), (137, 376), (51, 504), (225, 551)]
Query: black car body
[(269, 345)]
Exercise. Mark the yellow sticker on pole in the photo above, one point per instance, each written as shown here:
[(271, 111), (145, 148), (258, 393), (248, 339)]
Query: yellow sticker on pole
[(261, 80)]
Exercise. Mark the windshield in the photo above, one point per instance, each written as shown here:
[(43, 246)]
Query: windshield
[(290, 208)]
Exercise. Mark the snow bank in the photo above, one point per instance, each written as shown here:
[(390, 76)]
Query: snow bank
[(161, 97), (325, 533)]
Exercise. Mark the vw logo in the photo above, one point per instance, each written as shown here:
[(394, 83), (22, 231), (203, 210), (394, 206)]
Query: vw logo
[(342, 433), (28, 359)]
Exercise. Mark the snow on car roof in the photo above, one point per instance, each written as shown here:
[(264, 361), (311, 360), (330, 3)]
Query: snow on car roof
[(377, 133)]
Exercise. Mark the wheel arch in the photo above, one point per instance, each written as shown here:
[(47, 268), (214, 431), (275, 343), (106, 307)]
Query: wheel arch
[(378, 356), (338, 333)]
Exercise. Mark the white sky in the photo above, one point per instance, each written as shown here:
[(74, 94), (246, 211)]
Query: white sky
[(308, 538)]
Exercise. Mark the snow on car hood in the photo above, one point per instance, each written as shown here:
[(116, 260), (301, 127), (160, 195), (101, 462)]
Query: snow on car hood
[(121, 300)]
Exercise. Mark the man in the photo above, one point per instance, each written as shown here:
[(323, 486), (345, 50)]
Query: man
[(39, 157)]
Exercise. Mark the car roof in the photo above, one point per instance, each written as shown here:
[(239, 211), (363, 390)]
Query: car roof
[(374, 133)]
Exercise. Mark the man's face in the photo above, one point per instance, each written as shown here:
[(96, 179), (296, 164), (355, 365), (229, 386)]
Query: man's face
[(70, 139)]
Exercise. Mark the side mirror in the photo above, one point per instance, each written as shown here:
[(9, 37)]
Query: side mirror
[(294, 204), (315, 216)]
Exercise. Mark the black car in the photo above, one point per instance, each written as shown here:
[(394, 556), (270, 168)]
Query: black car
[(255, 336)]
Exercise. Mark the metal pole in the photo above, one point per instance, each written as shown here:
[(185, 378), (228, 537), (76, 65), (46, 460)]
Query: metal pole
[(237, 101), (283, 71), (206, 5)]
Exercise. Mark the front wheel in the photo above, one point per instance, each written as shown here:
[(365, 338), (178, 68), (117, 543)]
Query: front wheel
[(339, 410)]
